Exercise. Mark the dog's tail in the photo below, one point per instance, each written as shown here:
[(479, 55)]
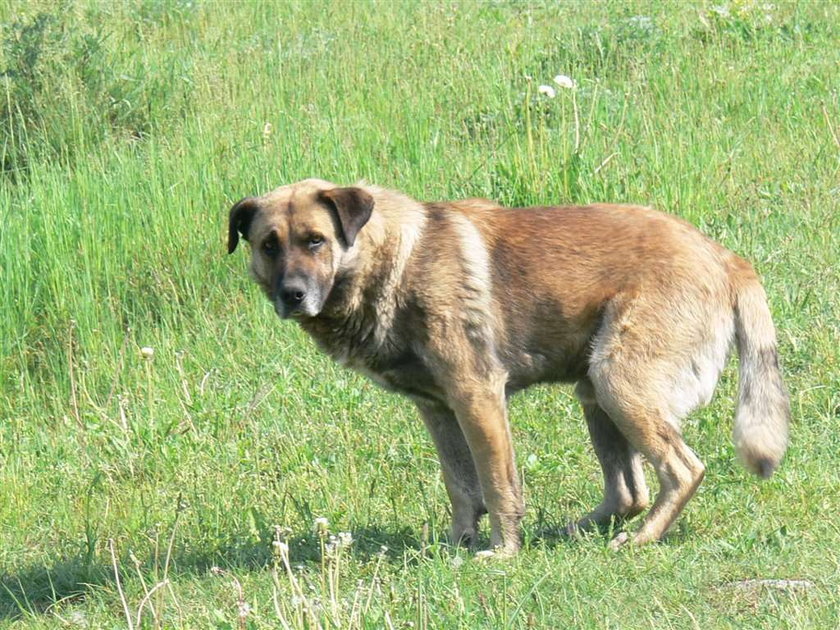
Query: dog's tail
[(763, 415)]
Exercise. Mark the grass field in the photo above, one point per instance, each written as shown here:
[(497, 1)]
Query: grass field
[(164, 492)]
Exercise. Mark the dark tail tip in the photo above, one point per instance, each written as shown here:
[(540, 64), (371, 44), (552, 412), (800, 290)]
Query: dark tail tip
[(766, 468)]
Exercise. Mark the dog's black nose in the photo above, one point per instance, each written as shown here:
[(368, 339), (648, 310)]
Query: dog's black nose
[(293, 293)]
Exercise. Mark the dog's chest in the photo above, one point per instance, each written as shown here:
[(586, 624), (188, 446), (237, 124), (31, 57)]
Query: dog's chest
[(383, 358)]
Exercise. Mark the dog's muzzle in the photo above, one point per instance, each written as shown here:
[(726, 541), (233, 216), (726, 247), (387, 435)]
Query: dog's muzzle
[(294, 298)]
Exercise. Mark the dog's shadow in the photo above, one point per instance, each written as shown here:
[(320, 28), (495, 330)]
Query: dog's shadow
[(33, 590)]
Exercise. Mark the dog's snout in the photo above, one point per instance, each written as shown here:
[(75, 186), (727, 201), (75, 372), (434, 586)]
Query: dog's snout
[(297, 295), (293, 293)]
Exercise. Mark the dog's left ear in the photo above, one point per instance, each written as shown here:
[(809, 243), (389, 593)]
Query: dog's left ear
[(239, 221), (353, 207)]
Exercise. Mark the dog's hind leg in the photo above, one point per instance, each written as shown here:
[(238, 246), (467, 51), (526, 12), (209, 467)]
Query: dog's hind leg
[(653, 362), (637, 411), (625, 489), (459, 474)]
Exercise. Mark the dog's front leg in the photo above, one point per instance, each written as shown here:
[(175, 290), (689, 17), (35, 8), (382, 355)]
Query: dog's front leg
[(480, 406), (459, 472)]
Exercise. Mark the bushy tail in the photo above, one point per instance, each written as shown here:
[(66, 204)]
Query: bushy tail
[(763, 415)]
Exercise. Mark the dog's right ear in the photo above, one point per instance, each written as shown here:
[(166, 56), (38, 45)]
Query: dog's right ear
[(239, 221)]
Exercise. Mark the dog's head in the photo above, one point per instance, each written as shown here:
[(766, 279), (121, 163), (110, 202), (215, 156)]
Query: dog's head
[(299, 236)]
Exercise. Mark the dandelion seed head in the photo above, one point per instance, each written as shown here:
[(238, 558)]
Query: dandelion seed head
[(565, 82), (147, 353), (547, 90)]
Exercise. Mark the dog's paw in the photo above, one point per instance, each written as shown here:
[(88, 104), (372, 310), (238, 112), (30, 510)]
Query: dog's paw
[(576, 529), (485, 555), (500, 552), (621, 539), (463, 537)]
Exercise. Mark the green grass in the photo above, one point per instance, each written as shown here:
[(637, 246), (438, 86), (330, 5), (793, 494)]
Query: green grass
[(126, 133)]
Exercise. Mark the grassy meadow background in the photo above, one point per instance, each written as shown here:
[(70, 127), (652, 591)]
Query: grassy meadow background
[(164, 493)]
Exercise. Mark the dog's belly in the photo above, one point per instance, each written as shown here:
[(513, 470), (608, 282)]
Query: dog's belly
[(526, 368), (408, 375)]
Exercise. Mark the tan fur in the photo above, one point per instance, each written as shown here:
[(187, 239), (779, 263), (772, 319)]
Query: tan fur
[(458, 305)]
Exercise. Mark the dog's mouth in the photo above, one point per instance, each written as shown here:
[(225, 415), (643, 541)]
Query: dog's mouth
[(303, 310)]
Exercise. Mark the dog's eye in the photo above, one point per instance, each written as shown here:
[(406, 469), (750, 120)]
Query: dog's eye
[(269, 246), (315, 241)]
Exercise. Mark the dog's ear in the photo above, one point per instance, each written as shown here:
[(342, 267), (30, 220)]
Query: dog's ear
[(352, 207), (239, 221)]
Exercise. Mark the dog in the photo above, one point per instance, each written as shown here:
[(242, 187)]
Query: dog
[(458, 305)]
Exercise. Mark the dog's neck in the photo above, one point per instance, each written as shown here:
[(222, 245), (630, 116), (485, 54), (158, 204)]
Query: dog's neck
[(364, 299)]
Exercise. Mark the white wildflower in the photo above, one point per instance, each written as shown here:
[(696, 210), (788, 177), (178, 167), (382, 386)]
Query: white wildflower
[(78, 618), (147, 353), (547, 90), (457, 562), (768, 12), (345, 539), (331, 545), (720, 10), (565, 82), (642, 24), (322, 525)]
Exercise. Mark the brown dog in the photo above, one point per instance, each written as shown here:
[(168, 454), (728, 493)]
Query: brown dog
[(460, 304)]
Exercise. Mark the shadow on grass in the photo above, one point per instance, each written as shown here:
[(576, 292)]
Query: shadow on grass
[(32, 590)]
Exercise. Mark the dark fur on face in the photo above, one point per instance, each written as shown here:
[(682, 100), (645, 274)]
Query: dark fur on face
[(297, 240)]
